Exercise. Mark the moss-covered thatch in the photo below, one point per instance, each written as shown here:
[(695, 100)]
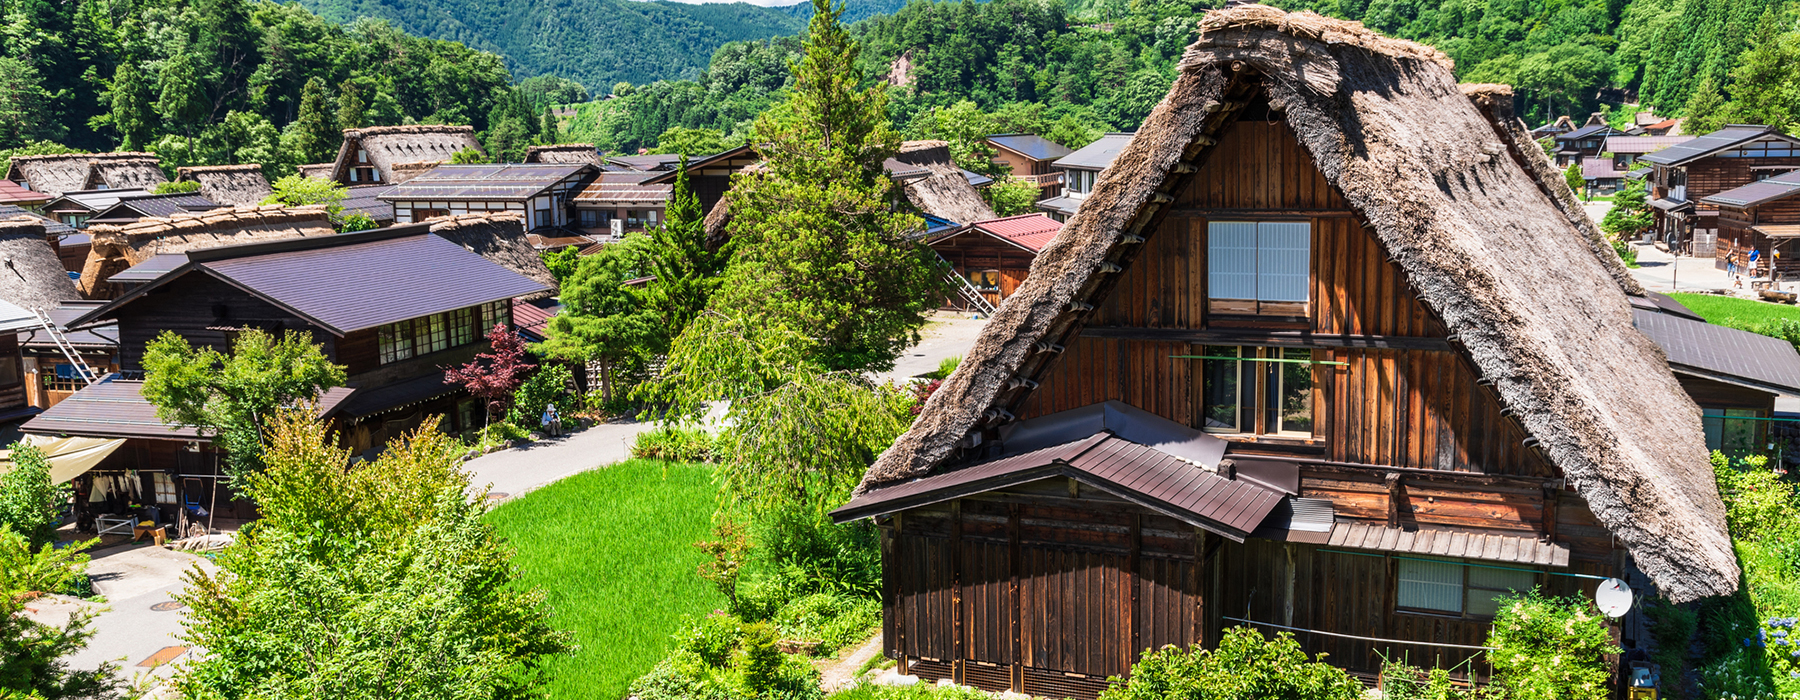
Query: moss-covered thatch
[(31, 276), (934, 184), (116, 248), (72, 172), (230, 185), (1487, 249)]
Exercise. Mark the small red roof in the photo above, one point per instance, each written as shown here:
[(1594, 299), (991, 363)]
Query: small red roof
[(12, 193), (1033, 231), (531, 318)]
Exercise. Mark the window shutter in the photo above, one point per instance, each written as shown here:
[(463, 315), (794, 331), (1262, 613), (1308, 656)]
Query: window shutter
[(1430, 585), (1231, 259), (1284, 261)]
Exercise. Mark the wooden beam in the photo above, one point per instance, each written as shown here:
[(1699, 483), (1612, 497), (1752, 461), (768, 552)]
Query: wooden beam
[(958, 652), (1199, 213), (1396, 498), (1432, 474), (1248, 336)]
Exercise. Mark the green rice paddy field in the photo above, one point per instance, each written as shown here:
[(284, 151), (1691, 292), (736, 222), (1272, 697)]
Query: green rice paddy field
[(613, 549), (1717, 309)]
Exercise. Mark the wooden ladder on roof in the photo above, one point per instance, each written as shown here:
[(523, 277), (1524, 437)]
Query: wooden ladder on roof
[(967, 289), (68, 349)]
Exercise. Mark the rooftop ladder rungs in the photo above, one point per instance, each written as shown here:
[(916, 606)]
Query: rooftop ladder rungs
[(67, 348)]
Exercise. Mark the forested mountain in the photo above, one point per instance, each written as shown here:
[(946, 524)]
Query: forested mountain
[(594, 42), (854, 10), (248, 80)]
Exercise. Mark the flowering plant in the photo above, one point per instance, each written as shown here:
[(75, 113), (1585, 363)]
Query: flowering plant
[(1548, 648)]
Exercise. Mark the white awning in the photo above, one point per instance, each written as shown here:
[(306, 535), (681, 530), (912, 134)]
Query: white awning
[(70, 457)]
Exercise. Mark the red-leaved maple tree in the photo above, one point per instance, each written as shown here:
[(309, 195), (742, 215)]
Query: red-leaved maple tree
[(496, 374)]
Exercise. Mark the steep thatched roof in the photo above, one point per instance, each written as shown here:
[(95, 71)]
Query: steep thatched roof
[(231, 185), (70, 172), (499, 237), (389, 146), (125, 174), (564, 153), (30, 274), (1495, 102), (934, 184), (403, 172), (1386, 124), (319, 170), (116, 248)]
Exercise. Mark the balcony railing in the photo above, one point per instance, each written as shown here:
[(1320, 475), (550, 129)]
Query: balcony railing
[(1045, 180)]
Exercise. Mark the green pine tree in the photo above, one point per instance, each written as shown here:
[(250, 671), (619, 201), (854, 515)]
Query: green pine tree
[(183, 100), (313, 137), (547, 130), (132, 116), (1706, 109), (1762, 84), (352, 111), (686, 269)]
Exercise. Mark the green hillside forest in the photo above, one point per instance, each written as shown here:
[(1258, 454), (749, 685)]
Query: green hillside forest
[(209, 81), (594, 42)]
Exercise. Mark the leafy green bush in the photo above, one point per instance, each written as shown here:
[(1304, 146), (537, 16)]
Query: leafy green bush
[(1672, 627), (550, 385), (1548, 648), (944, 368), (834, 621), (1759, 504), (42, 569), (722, 658), (1626, 251), (176, 187), (1402, 682), (675, 444), (917, 691), (1246, 666), (29, 503)]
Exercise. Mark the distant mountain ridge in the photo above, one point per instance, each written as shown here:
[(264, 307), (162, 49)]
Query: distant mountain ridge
[(854, 10), (594, 42)]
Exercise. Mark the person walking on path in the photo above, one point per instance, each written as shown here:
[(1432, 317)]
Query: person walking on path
[(1754, 254)]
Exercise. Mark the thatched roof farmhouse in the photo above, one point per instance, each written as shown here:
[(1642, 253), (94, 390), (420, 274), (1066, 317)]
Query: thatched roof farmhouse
[(116, 248), (564, 153), (231, 185), (1441, 180), (70, 172), (500, 237), (932, 182), (390, 154), (30, 274)]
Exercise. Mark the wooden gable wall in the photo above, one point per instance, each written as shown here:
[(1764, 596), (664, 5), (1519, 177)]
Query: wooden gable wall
[(198, 306)]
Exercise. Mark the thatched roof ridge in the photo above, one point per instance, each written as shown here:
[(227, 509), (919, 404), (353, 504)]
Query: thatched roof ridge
[(319, 170), (1387, 125), (564, 153), (116, 248), (941, 190), (412, 144), (500, 237), (1495, 102), (232, 185), (126, 174), (66, 172), (32, 276)]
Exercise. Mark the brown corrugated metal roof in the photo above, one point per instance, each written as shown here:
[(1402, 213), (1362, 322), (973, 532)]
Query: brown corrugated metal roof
[(115, 408), (1134, 472), (1446, 543)]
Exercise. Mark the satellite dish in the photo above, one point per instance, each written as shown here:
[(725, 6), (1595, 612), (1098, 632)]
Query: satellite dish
[(1613, 597)]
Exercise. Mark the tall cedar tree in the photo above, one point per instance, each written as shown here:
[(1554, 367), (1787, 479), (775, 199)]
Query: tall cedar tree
[(315, 136), (604, 320), (352, 112), (495, 374), (132, 117), (819, 248), (686, 269), (183, 99), (1763, 82), (1706, 109)]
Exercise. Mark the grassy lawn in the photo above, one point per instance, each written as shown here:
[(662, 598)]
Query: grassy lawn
[(1716, 309), (614, 550)]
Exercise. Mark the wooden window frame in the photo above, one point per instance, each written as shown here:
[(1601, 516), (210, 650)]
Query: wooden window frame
[(1463, 588), (1256, 424), (1257, 308)]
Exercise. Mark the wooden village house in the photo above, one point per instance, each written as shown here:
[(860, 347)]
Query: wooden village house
[(541, 192), (114, 248), (1683, 176), (1588, 141), (1257, 381), (1081, 169), (1763, 216), (709, 177), (393, 154), (394, 306), (150, 206), (619, 202), (995, 255), (1733, 375), (1031, 158), (57, 174)]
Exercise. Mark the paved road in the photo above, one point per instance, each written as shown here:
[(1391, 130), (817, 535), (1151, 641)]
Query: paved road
[(519, 470), (127, 631), (949, 335)]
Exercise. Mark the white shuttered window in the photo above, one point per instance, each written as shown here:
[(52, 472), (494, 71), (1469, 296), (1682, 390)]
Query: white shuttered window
[(1263, 261), (1430, 585)]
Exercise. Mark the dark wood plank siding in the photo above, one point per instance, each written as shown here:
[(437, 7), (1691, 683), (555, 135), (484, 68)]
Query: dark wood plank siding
[(194, 306)]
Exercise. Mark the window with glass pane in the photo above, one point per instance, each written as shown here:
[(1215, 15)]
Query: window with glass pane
[(165, 488), (1220, 389), (1288, 404), (1259, 267), (1732, 430), (1487, 584), (394, 341), (462, 327), (433, 336), (1430, 585)]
